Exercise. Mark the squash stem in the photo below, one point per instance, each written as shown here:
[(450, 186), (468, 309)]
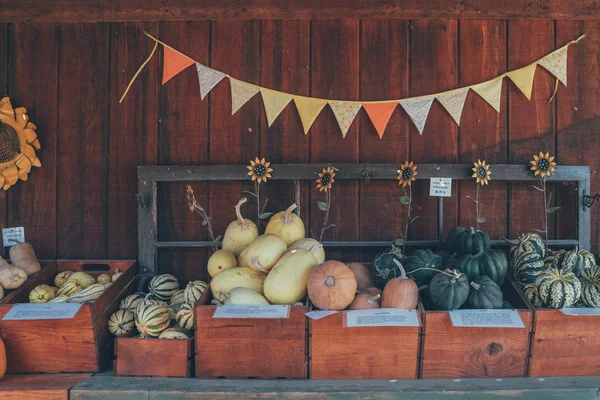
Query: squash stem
[(238, 212), (329, 281), (475, 286), (373, 299), (288, 212), (402, 270), (431, 269)]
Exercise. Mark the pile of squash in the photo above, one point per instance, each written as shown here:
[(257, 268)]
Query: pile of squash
[(23, 263), (72, 287), (166, 312), (561, 279)]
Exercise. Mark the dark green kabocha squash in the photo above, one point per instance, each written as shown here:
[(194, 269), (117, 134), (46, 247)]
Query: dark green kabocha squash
[(449, 289), (527, 266), (507, 306), (448, 260), (527, 242), (558, 288), (466, 241), (491, 263), (485, 293), (422, 259), (590, 287), (384, 268)]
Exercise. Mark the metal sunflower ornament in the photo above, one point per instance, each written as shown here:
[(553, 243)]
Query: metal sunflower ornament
[(326, 179), (260, 170), (543, 166), (481, 173), (406, 176), (18, 142), (325, 184)]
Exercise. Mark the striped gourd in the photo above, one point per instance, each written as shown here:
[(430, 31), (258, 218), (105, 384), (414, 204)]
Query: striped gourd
[(152, 319), (82, 279), (590, 287), (531, 292), (527, 242), (42, 294), (59, 299), (163, 287), (564, 260), (558, 288), (185, 316), (130, 302), (173, 312), (193, 291), (178, 297), (103, 278), (122, 323), (62, 278), (89, 294), (527, 266), (68, 289), (148, 301), (585, 261), (116, 275), (174, 333)]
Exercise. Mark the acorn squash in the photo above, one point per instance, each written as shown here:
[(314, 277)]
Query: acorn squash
[(414, 264), (449, 289), (384, 268), (491, 263), (466, 241), (485, 293), (558, 288)]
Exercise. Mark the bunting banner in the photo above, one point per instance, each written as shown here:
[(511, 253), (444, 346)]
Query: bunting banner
[(345, 112)]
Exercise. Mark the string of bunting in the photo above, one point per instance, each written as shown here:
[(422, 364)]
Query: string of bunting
[(344, 111)]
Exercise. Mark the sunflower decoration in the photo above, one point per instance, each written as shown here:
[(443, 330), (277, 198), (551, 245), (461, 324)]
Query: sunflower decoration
[(406, 174), (481, 173), (326, 179), (18, 142), (259, 170), (543, 165)]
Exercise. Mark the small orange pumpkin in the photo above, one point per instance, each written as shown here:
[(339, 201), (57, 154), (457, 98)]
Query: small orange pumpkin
[(363, 276), (400, 292), (331, 286), (365, 301), (2, 359)]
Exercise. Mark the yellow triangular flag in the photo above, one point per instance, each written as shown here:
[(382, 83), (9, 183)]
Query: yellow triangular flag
[(241, 92), (309, 109), (490, 91), (274, 103), (523, 78)]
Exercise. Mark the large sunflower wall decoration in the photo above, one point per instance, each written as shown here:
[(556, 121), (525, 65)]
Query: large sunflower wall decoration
[(18, 143)]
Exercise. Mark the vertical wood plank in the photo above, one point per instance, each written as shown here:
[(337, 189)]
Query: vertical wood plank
[(4, 63), (334, 73), (384, 68), (133, 131), (483, 131), (530, 126), (284, 66), (577, 119), (182, 139), (433, 68), (82, 145)]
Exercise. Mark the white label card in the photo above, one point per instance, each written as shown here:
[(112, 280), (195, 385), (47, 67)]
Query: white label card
[(252, 311), (381, 317), (318, 314), (440, 187), (486, 318), (12, 236), (587, 312), (32, 311)]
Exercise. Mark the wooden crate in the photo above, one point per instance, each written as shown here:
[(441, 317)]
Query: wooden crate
[(154, 357), (250, 348), (81, 344), (39, 387), (386, 352), (455, 352)]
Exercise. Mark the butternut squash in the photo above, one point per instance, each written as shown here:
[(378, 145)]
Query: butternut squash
[(11, 276), (23, 256)]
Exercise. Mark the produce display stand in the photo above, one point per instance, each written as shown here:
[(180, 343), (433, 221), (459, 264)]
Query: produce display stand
[(39, 386), (80, 344)]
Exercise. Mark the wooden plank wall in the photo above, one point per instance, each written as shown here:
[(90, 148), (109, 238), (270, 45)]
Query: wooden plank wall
[(82, 202)]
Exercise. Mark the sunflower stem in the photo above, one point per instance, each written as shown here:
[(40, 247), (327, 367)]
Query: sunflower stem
[(477, 205), (326, 219), (257, 191), (408, 216), (545, 213)]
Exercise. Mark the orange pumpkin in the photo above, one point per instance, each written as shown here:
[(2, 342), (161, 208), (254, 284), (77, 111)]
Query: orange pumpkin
[(331, 286), (400, 292), (2, 359), (362, 273), (365, 301)]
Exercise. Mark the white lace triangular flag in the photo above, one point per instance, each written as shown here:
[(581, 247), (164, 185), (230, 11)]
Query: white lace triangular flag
[(344, 112), (241, 92), (208, 79), (556, 64), (418, 110), (454, 102)]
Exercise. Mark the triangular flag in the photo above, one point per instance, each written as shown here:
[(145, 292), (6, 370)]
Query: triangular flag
[(418, 110), (454, 102), (380, 114), (345, 112), (241, 92), (309, 110), (208, 78), (173, 63), (274, 103), (556, 64), (490, 91), (523, 78)]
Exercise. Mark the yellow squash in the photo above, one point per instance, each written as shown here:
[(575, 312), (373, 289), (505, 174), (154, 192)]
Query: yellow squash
[(42, 294), (286, 225), (286, 283), (236, 277), (263, 253), (220, 261), (244, 296), (311, 245), (240, 233)]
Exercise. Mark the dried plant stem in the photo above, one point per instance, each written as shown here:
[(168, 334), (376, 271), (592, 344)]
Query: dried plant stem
[(546, 206), (408, 217), (257, 191), (195, 206), (326, 219), (477, 205)]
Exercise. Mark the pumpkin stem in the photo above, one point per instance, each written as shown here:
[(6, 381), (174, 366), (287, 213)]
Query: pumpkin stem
[(373, 299), (329, 281), (258, 266), (475, 285), (238, 213), (315, 247), (287, 217)]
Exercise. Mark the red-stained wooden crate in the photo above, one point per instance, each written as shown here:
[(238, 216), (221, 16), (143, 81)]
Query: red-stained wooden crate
[(250, 348), (80, 344), (460, 352)]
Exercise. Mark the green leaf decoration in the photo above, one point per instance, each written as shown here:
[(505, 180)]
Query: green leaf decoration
[(322, 206), (481, 220), (250, 193), (405, 200), (537, 188), (552, 210), (328, 226), (265, 215)]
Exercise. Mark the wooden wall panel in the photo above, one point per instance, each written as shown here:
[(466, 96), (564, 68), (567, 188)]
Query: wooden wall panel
[(4, 66), (334, 72), (433, 68), (482, 130), (530, 126), (81, 167)]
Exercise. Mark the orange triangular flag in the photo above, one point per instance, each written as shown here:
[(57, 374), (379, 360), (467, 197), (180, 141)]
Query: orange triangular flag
[(380, 114), (173, 63)]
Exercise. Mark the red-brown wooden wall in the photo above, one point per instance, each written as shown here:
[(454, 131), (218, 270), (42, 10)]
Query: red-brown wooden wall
[(82, 203)]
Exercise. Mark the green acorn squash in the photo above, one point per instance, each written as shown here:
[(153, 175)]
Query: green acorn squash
[(449, 289), (422, 259), (491, 263), (384, 268), (590, 287), (466, 241), (485, 293), (527, 266), (527, 242), (558, 288)]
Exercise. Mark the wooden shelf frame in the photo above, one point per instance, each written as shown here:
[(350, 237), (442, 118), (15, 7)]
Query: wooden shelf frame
[(150, 176)]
